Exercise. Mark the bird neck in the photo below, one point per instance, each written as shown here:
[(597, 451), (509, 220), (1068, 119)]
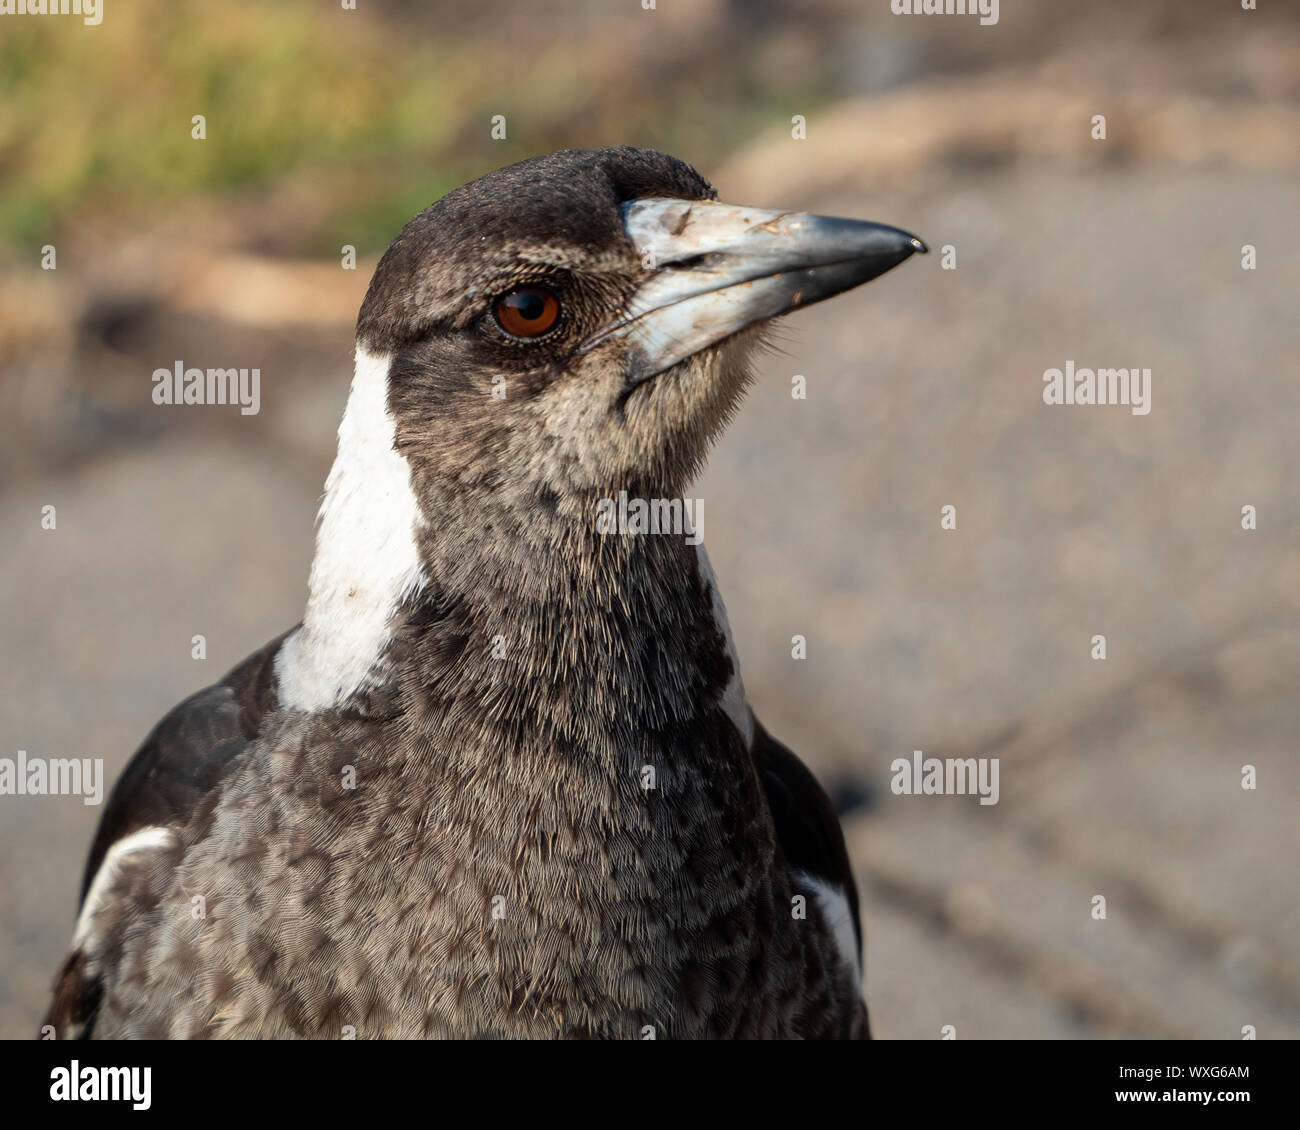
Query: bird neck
[(501, 601), (607, 633)]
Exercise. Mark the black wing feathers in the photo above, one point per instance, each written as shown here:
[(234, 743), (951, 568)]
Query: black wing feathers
[(187, 754), (806, 824)]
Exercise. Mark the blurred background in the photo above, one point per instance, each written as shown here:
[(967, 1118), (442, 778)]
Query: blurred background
[(325, 127)]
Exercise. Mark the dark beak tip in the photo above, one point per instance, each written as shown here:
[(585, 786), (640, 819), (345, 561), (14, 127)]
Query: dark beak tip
[(919, 245)]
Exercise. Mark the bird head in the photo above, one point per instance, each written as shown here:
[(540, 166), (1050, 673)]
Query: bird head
[(579, 324)]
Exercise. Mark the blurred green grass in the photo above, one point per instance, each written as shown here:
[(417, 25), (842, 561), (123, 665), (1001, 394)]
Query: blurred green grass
[(283, 91), (99, 119)]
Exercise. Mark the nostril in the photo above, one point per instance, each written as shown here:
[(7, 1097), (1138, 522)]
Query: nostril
[(687, 264)]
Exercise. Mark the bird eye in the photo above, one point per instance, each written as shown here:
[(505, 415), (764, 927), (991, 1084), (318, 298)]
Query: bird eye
[(528, 312)]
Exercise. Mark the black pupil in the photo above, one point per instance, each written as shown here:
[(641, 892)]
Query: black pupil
[(528, 304)]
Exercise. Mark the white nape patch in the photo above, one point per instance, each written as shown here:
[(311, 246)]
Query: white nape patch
[(733, 698), (838, 916), (366, 562), (147, 839)]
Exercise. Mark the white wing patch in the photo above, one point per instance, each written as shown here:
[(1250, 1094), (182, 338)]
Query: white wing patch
[(146, 839), (367, 561), (838, 915)]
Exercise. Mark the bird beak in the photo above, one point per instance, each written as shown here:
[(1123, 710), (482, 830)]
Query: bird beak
[(715, 269)]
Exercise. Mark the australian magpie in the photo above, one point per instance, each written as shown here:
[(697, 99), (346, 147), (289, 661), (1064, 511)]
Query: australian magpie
[(502, 780)]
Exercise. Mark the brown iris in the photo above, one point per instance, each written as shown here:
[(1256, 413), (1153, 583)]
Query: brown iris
[(529, 311)]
